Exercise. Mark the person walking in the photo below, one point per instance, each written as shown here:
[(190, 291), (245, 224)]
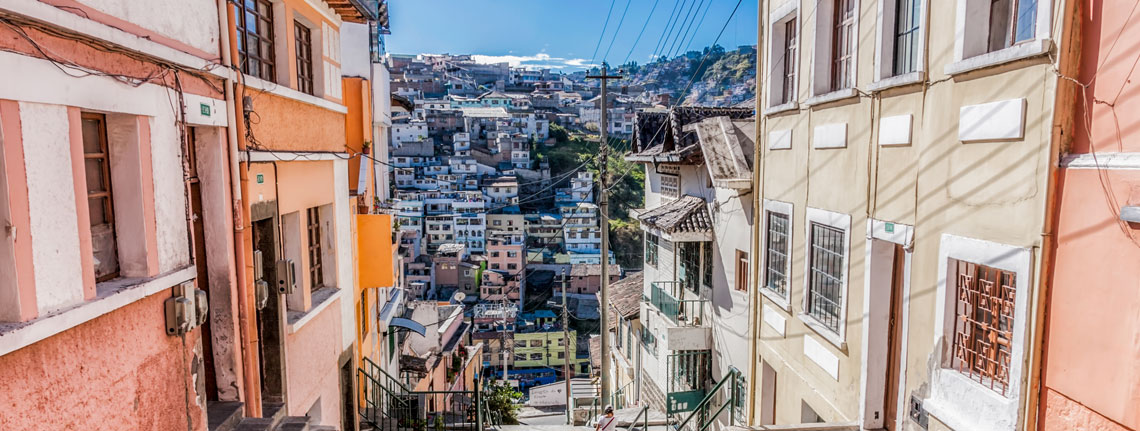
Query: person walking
[(607, 422)]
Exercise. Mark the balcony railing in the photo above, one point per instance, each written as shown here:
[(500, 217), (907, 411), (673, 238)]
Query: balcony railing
[(663, 295)]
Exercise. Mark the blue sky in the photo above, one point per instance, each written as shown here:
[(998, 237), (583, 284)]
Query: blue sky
[(561, 34)]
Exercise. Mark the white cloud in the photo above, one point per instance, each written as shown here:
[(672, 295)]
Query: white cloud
[(539, 60)]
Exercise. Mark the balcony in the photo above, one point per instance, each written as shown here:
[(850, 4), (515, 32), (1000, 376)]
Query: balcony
[(685, 319)]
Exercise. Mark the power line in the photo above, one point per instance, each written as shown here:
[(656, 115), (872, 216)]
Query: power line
[(683, 31), (665, 28), (606, 56), (642, 32), (603, 35), (696, 30)]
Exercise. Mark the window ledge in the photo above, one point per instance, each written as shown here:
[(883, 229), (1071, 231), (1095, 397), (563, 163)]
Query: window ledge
[(284, 91), (833, 96), (823, 331), (777, 300), (321, 298), (790, 106), (1007, 55), (111, 296), (898, 81)]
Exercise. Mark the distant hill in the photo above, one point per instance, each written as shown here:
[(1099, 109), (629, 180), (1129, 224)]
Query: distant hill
[(725, 78)]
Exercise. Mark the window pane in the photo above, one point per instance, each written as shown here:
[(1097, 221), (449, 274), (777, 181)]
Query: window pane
[(97, 210), (91, 137), (1000, 18), (1026, 20), (94, 174)]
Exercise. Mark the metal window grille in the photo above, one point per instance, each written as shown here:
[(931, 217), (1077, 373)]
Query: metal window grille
[(671, 186), (842, 45), (983, 328), (314, 231), (651, 249), (706, 264), (689, 370), (689, 269), (97, 169), (825, 292), (790, 59), (255, 37), (776, 267), (906, 36), (304, 47)]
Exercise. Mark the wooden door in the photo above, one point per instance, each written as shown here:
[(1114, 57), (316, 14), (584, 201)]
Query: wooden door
[(894, 340)]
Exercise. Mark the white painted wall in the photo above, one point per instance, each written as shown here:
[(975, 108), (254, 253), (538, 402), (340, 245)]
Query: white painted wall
[(169, 194), (356, 60), (51, 204), (193, 22), (344, 251)]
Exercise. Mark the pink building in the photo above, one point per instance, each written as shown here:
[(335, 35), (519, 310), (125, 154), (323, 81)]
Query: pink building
[(102, 198), (587, 278), (1091, 380), (499, 285)]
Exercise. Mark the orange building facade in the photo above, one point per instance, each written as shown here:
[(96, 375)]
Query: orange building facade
[(1091, 370)]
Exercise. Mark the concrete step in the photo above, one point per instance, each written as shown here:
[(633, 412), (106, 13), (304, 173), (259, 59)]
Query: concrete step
[(294, 423), (223, 415), (543, 428)]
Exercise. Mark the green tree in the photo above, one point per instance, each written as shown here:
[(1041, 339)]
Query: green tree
[(503, 400)]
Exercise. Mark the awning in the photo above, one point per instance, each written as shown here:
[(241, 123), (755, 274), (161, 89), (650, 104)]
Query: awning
[(409, 324)]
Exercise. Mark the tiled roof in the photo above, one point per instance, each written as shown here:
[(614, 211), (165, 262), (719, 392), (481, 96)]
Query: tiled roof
[(727, 149), (660, 136), (687, 214), (625, 299), (586, 270), (596, 351)]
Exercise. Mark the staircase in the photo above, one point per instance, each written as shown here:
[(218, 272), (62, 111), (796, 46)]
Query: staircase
[(229, 416), (389, 405), (703, 416)]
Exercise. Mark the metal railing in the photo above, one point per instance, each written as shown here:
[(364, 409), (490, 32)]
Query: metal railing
[(664, 295), (702, 412), (389, 405)]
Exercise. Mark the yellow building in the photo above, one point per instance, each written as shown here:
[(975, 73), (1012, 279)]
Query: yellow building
[(546, 349)]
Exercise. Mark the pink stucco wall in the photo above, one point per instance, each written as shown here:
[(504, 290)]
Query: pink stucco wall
[(117, 372), (1092, 362), (312, 368)]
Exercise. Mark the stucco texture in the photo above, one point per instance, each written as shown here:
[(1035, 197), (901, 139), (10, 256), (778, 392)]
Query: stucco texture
[(312, 372), (117, 372), (284, 124)]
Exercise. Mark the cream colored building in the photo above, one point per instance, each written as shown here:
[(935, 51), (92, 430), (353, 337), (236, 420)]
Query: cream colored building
[(904, 163)]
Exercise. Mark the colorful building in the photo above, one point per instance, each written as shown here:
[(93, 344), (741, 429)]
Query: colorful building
[(1089, 370)]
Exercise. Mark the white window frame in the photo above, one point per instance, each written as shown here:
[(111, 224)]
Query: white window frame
[(786, 209), (675, 190), (885, 47), (970, 54), (777, 18), (955, 399), (821, 55), (838, 221)]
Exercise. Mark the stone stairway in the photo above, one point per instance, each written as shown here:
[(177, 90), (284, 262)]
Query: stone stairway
[(228, 416)]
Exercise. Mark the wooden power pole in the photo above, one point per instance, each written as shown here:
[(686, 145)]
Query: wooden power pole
[(603, 208), (566, 350)]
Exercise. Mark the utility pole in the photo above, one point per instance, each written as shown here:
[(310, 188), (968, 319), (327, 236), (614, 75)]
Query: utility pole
[(603, 208), (503, 343), (566, 348)]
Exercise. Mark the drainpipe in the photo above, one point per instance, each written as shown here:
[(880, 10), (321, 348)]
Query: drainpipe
[(238, 179), (757, 221), (1062, 118)]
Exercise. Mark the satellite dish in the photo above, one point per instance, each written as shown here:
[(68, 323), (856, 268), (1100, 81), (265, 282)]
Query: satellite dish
[(458, 297)]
